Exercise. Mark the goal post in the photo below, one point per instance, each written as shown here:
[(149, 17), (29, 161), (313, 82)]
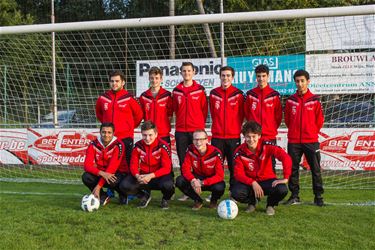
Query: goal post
[(336, 45)]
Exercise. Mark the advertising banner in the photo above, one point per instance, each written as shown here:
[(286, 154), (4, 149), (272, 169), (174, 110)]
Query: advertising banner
[(340, 148), (340, 33), (281, 68), (13, 146), (206, 69), (344, 73)]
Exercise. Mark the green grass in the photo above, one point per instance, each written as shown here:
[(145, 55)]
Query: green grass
[(30, 220)]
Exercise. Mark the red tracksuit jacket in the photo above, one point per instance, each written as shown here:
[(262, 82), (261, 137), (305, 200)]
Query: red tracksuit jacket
[(209, 165), (109, 159), (190, 107), (304, 118), (264, 107), (226, 107), (154, 158), (250, 167), (158, 110), (120, 108)]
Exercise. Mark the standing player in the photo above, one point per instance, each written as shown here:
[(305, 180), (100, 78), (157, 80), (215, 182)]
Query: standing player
[(304, 119), (253, 170), (190, 106), (105, 163), (226, 107), (156, 104), (202, 170), (121, 108), (263, 105), (150, 167)]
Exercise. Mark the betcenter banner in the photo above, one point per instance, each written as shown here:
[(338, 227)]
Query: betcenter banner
[(281, 68), (206, 73), (344, 73), (341, 148), (340, 33)]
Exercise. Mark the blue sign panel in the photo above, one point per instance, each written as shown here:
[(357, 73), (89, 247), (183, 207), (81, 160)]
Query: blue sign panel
[(281, 68)]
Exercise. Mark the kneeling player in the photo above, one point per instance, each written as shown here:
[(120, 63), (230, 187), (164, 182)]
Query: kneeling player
[(202, 170), (105, 164), (253, 170), (150, 167)]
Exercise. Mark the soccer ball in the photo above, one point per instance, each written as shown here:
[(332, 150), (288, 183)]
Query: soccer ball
[(227, 209), (90, 203)]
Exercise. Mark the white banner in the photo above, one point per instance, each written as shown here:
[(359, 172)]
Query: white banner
[(340, 33), (342, 73), (207, 73), (341, 148)]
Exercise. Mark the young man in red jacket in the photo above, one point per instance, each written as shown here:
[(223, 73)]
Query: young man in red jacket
[(105, 163), (120, 107), (263, 105), (226, 107), (202, 170), (304, 119), (150, 168), (190, 106), (156, 103), (253, 170)]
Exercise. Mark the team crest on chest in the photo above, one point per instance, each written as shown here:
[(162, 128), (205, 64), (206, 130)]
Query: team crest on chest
[(106, 106), (254, 106), (148, 106), (195, 164), (294, 110), (217, 104)]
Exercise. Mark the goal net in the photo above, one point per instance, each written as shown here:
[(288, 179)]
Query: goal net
[(339, 53)]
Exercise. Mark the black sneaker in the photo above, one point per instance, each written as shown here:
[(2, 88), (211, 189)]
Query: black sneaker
[(123, 199), (144, 201), (164, 204), (319, 201), (104, 199), (293, 201)]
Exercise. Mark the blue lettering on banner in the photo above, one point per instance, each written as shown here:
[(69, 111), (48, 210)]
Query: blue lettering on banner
[(281, 68)]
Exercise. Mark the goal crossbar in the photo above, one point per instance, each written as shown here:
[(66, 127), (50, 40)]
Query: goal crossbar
[(195, 19)]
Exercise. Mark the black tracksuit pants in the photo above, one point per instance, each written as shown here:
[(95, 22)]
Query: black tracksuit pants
[(227, 148), (312, 154), (130, 185), (245, 194), (217, 189)]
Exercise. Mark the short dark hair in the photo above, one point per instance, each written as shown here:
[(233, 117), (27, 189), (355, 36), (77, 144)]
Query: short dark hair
[(147, 125), (117, 73), (301, 72), (187, 64), (251, 127), (155, 71), (262, 68), (107, 125), (227, 68)]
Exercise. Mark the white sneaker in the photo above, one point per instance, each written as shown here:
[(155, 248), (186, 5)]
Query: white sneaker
[(208, 198), (270, 210), (183, 198)]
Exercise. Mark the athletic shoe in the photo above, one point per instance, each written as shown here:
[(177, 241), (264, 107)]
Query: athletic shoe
[(319, 201), (270, 210), (213, 205), (208, 198), (197, 205), (104, 199), (250, 208), (123, 199), (164, 204), (144, 201), (293, 201), (183, 198)]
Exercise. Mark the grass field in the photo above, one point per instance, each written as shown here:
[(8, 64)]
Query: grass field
[(36, 215)]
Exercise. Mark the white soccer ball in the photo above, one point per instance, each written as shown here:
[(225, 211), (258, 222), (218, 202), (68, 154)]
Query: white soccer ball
[(227, 209), (90, 203)]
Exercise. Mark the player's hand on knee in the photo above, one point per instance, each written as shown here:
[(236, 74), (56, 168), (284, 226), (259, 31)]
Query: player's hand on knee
[(257, 190)]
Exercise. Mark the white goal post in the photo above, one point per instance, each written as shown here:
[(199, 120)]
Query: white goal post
[(336, 45)]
